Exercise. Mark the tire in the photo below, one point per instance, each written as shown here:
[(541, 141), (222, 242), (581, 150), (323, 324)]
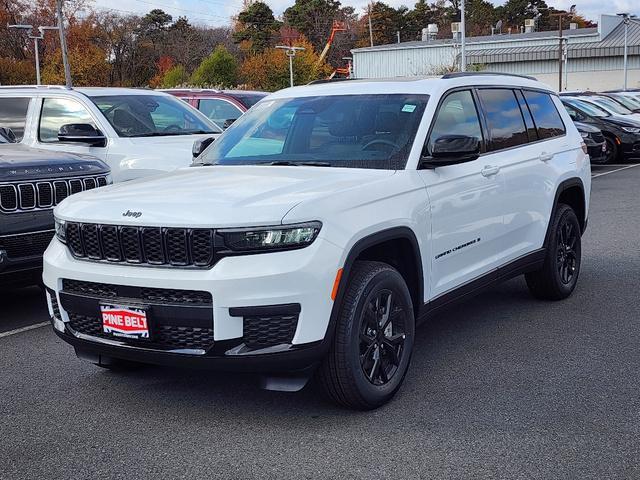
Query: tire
[(611, 154), (558, 277), (367, 363)]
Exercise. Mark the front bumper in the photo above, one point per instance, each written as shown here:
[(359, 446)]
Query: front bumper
[(236, 285)]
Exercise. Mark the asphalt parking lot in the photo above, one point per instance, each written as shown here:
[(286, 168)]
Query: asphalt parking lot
[(503, 386)]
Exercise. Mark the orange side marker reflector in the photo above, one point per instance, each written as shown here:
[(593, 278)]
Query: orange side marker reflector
[(336, 284)]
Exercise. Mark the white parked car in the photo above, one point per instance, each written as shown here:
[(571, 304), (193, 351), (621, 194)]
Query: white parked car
[(321, 227), (136, 132)]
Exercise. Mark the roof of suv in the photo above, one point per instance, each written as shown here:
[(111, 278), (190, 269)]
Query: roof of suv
[(415, 85), (89, 91)]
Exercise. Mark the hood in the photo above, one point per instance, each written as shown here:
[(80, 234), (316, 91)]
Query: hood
[(178, 142), (622, 120), (215, 196), (586, 128), (19, 162)]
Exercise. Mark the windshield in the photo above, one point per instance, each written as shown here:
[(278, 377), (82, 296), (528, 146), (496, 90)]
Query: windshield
[(357, 131), (628, 101), (249, 99), (610, 105), (588, 108), (152, 116)]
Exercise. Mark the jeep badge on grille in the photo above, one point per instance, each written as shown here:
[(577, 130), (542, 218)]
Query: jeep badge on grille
[(129, 213)]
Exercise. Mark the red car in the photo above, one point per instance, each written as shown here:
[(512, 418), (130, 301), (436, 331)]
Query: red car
[(223, 107)]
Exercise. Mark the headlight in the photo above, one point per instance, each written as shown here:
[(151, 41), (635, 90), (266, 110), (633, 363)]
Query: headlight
[(286, 237), (584, 134), (109, 179), (631, 129), (61, 230)]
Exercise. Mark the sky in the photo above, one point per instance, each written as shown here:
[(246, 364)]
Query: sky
[(218, 12)]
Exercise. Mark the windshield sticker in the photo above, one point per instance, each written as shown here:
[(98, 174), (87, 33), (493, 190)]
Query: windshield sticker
[(409, 108)]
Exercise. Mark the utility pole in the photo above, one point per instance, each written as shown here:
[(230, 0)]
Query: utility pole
[(463, 58), (626, 18), (370, 27), (36, 43), (63, 44), (560, 16), (291, 53)]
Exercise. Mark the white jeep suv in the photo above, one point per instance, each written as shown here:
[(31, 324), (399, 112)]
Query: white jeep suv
[(321, 227), (137, 132)]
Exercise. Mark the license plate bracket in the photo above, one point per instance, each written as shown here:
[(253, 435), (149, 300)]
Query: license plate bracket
[(125, 321)]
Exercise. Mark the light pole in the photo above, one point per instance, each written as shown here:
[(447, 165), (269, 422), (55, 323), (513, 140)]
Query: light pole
[(291, 53), (626, 19), (463, 58), (36, 43), (63, 44)]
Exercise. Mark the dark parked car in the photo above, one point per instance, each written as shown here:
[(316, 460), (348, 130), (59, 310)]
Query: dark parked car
[(223, 107), (594, 140), (32, 183), (621, 134)]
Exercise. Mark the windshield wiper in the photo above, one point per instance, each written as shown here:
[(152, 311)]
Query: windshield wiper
[(287, 163)]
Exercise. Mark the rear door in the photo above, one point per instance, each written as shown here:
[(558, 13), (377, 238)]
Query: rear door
[(466, 202)]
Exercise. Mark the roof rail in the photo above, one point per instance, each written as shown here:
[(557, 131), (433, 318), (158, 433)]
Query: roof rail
[(35, 87), (329, 80), (473, 74)]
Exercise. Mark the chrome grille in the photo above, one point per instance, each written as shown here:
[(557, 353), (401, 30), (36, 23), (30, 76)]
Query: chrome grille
[(156, 246), (43, 194)]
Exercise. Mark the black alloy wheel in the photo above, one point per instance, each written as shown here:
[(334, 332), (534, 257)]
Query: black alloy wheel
[(566, 254), (382, 336)]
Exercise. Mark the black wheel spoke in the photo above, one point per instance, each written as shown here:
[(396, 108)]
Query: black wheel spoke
[(366, 339), (391, 353)]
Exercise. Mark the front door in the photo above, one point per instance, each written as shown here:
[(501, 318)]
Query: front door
[(466, 203)]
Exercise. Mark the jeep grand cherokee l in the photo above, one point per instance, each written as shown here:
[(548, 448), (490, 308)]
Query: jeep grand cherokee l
[(32, 182), (321, 227)]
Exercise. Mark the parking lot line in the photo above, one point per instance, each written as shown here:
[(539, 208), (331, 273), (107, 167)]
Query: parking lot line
[(23, 329), (616, 170)]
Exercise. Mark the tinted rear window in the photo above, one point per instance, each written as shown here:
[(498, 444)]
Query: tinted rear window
[(545, 114), (13, 114), (504, 118)]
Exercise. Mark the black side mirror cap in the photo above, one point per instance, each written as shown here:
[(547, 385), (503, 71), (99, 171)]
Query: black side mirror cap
[(200, 146), (82, 133), (451, 150)]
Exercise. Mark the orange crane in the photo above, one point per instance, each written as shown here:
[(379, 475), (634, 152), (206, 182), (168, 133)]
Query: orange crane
[(337, 27)]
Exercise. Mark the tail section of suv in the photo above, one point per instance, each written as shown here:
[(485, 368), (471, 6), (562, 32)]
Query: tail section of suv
[(32, 183), (322, 227)]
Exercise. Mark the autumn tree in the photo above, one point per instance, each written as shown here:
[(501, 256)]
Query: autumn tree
[(175, 76), (218, 69), (257, 26)]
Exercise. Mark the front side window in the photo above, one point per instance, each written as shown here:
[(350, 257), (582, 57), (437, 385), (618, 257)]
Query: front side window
[(152, 116), (545, 114), (219, 111), (356, 131), (13, 114), (457, 116), (57, 112), (504, 118)]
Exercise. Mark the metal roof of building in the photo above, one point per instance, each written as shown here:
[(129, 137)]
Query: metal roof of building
[(484, 39), (611, 45)]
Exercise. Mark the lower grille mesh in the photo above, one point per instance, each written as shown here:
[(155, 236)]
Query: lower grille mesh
[(28, 245), (262, 332)]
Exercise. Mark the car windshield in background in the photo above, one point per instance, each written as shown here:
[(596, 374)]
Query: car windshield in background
[(588, 108), (629, 102), (249, 99), (152, 116), (610, 105), (357, 131)]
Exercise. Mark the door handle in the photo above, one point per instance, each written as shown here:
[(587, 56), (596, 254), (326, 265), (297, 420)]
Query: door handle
[(545, 157), (489, 170)]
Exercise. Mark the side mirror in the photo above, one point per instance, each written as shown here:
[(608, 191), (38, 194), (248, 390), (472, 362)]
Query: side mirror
[(200, 146), (228, 122), (7, 133), (82, 133), (451, 150)]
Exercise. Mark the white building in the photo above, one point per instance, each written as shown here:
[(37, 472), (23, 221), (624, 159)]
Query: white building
[(594, 56)]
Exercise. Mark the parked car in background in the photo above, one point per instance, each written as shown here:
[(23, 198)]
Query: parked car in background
[(137, 132), (628, 101), (32, 182), (223, 107), (621, 132), (607, 104), (594, 140)]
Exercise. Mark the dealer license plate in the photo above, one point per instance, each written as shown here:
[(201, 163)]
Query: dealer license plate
[(125, 321)]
